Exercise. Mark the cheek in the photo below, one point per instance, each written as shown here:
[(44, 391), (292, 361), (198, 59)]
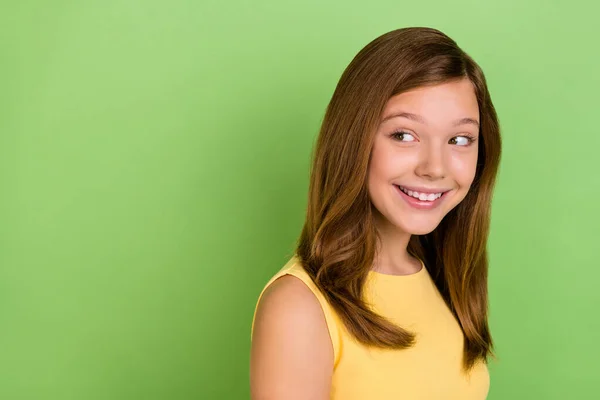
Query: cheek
[(380, 173), (379, 165), (387, 163), (464, 169)]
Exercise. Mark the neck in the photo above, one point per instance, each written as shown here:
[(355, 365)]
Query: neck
[(392, 256)]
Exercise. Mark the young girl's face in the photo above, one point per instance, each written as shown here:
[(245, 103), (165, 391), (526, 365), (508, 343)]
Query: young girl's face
[(427, 141)]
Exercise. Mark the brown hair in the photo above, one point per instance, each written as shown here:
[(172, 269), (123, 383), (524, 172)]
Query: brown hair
[(338, 241)]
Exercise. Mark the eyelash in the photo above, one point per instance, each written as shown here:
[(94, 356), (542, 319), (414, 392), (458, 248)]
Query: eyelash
[(471, 139)]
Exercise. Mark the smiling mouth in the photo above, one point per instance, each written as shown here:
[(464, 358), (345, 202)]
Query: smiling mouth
[(424, 197)]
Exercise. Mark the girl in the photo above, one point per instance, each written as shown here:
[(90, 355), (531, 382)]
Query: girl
[(385, 296)]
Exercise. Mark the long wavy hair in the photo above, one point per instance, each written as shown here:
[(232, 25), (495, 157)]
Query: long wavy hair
[(338, 242)]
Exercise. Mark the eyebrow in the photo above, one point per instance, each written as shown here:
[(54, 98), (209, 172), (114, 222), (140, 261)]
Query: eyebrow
[(418, 118)]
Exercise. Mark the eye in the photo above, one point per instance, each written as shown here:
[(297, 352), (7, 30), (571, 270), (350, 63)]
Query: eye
[(468, 140), (399, 135)]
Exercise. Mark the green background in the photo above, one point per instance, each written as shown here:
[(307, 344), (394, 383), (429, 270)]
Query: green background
[(154, 167)]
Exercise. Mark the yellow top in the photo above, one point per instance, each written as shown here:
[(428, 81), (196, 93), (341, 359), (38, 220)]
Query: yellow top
[(432, 369)]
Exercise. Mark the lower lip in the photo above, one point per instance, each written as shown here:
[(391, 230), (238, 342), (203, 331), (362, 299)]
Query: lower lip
[(418, 204)]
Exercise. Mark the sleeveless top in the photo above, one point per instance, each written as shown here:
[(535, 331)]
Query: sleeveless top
[(431, 369)]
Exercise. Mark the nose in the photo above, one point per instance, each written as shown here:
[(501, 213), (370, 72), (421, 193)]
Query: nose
[(431, 162)]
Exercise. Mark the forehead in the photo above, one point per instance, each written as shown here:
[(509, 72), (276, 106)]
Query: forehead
[(446, 100)]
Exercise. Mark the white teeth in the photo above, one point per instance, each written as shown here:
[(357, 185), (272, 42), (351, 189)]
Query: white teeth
[(421, 196)]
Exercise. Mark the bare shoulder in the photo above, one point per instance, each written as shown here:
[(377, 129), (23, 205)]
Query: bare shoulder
[(291, 344)]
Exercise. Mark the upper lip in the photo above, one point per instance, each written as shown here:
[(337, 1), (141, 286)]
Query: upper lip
[(424, 189)]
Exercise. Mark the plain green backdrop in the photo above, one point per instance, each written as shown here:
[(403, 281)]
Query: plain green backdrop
[(154, 162)]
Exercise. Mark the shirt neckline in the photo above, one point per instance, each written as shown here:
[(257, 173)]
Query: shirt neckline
[(396, 277)]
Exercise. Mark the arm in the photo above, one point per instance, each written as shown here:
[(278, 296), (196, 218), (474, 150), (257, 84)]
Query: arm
[(292, 355)]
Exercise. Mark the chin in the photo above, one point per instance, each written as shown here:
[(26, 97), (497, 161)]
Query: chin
[(420, 232), (418, 229)]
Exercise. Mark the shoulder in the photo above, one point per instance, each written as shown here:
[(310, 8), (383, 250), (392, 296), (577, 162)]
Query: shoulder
[(288, 303), (291, 290), (290, 342), (296, 295)]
